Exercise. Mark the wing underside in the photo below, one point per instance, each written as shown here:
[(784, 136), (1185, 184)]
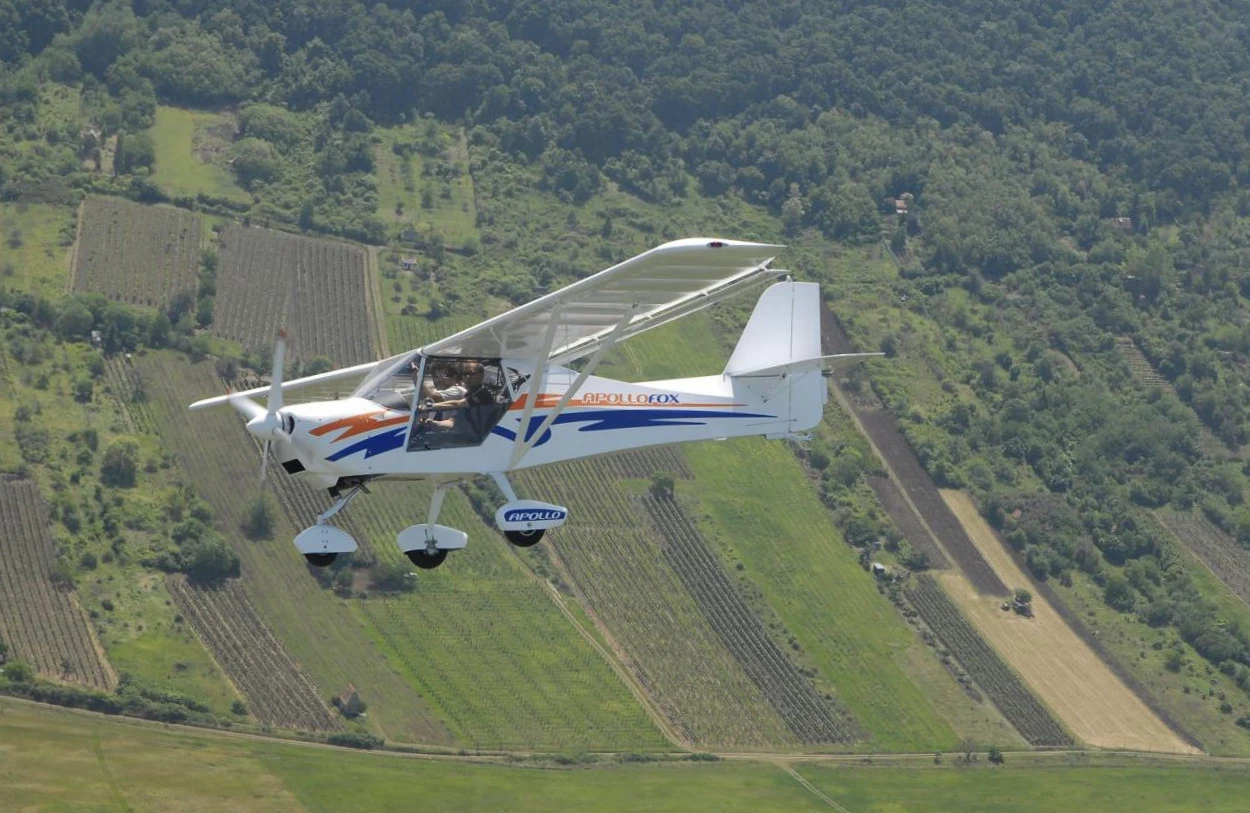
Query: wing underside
[(667, 282)]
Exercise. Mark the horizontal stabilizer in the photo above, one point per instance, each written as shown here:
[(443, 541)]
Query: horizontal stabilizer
[(804, 365)]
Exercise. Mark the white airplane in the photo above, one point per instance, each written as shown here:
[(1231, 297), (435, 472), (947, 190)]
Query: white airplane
[(499, 397)]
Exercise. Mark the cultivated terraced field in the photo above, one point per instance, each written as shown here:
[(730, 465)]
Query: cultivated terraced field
[(316, 289), (277, 693), (141, 255), (621, 573), (1229, 561), (320, 631), (124, 383), (1003, 687), (1065, 672), (478, 653), (911, 478), (905, 519), (42, 623), (812, 718), (1146, 375)]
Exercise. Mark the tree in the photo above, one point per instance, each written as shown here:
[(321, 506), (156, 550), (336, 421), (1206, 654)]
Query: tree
[(17, 671), (258, 524), (254, 161), (134, 150), (120, 464), (996, 755), (662, 485), (210, 561)]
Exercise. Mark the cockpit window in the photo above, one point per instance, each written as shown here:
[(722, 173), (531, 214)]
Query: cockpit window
[(457, 402)]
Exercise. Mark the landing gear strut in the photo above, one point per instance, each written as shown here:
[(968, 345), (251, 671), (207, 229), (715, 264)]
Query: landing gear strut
[(322, 543), (426, 545)]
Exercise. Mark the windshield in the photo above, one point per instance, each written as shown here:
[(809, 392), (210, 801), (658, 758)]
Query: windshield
[(459, 402)]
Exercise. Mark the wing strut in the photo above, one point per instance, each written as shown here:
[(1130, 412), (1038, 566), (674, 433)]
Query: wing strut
[(523, 446), (533, 388)]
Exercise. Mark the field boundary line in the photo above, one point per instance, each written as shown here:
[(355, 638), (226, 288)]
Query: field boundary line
[(374, 303), (845, 403), (73, 250), (110, 674), (616, 665), (1096, 756), (815, 791)]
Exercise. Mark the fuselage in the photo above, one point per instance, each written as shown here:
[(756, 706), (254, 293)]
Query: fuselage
[(357, 437)]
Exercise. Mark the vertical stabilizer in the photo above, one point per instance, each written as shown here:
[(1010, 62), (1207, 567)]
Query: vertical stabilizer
[(784, 328)]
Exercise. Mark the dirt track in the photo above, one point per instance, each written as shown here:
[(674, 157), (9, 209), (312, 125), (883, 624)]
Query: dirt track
[(1064, 672)]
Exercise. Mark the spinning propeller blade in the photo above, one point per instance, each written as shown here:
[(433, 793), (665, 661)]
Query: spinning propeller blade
[(264, 422)]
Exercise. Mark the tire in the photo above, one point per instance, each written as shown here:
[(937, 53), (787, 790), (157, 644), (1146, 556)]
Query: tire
[(524, 539), (426, 561), (320, 559)]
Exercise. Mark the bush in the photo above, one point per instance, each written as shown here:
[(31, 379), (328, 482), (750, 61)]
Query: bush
[(120, 464), (353, 739), (18, 672)]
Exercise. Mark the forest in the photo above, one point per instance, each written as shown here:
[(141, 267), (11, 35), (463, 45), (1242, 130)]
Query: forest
[(1071, 173)]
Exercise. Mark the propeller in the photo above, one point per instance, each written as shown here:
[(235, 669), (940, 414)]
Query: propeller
[(264, 422)]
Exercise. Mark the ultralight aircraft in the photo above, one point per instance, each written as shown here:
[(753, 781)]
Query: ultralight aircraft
[(500, 396)]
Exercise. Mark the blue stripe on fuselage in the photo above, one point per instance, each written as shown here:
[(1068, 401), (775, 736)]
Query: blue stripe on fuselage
[(373, 445), (601, 420)]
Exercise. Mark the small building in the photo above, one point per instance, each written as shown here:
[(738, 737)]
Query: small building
[(879, 570), (349, 702), (1122, 223), (900, 206), (97, 339), (408, 263)]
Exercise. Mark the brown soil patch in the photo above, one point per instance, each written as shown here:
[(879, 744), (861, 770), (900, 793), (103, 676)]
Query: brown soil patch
[(1061, 668)]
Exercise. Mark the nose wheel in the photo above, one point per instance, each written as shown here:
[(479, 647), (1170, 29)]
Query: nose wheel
[(524, 539)]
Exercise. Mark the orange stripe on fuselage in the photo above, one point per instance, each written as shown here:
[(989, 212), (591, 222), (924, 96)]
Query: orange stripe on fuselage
[(357, 425), (546, 401)]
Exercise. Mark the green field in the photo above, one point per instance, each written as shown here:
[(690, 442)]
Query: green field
[(35, 247), (430, 190), (190, 153), (52, 759), (1154, 787)]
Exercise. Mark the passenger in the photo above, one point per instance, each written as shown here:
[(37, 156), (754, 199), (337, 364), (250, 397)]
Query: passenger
[(440, 391)]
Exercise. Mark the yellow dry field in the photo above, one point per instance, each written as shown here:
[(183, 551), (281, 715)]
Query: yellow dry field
[(1057, 665)]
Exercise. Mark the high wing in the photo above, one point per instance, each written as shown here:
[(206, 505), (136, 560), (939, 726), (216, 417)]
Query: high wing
[(665, 283), (652, 289)]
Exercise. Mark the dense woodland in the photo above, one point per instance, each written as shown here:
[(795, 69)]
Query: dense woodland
[(1075, 171)]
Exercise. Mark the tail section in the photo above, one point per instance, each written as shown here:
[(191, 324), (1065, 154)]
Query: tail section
[(777, 361)]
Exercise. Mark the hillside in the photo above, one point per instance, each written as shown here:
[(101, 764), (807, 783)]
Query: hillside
[(1039, 213)]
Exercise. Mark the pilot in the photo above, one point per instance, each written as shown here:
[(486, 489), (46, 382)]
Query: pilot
[(476, 393), (440, 392)]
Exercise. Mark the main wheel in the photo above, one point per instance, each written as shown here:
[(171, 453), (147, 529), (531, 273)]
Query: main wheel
[(524, 539), (320, 559), (426, 561)]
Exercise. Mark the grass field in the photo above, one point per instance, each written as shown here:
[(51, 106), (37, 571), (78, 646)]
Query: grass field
[(35, 243), (190, 153), (438, 177), (1068, 676), (1105, 788), (52, 759)]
